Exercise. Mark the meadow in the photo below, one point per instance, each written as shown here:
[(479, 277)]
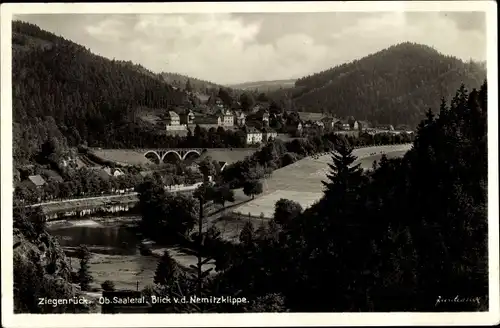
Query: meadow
[(136, 157), (301, 181)]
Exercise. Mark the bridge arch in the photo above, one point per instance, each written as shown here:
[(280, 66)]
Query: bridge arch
[(160, 158), (164, 155), (192, 151), (181, 154)]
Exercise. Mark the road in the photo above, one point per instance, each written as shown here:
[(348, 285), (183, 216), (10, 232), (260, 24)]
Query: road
[(84, 199)]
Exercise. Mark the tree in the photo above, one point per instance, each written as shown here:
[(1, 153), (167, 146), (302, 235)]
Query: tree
[(167, 271), (188, 87), (207, 167), (252, 188), (285, 211), (246, 101), (247, 234), (84, 275), (108, 285), (223, 194)]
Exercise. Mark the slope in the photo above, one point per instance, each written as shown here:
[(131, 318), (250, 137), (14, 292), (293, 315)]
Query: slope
[(63, 91), (395, 86), (265, 86)]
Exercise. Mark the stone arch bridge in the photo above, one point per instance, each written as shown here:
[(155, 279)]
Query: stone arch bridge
[(182, 153)]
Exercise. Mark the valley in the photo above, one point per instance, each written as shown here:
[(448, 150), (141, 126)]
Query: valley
[(341, 190)]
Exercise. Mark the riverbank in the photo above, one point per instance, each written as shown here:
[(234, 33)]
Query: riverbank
[(113, 243)]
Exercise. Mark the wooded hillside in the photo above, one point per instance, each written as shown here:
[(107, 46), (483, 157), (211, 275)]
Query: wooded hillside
[(62, 90), (394, 86)]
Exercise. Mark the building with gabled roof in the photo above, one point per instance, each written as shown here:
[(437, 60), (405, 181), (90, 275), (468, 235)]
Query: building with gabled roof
[(268, 133), (172, 118), (225, 118), (240, 118), (342, 125), (37, 180), (254, 136), (387, 127)]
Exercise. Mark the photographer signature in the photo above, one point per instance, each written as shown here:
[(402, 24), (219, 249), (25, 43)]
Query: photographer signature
[(457, 299)]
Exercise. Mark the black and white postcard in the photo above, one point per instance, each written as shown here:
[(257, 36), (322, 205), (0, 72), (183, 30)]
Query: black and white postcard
[(249, 164)]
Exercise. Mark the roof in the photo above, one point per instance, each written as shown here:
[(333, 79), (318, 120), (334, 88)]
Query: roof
[(226, 112), (100, 172), (37, 180), (209, 126), (173, 114), (268, 130), (107, 170), (306, 116), (253, 130), (206, 120), (342, 122)]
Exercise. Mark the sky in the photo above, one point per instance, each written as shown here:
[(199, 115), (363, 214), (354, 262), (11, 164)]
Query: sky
[(229, 48)]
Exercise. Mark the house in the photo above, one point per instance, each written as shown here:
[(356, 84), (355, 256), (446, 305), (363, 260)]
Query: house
[(37, 180), (354, 125), (188, 117), (113, 172), (265, 117), (253, 136), (386, 127), (256, 108), (342, 125), (225, 118), (327, 122), (268, 133), (319, 124), (363, 125), (240, 118), (308, 116), (172, 119)]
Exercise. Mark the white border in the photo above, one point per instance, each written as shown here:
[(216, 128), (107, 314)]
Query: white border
[(225, 320)]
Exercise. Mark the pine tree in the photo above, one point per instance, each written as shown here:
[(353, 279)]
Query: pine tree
[(84, 272), (188, 87), (345, 179), (167, 270)]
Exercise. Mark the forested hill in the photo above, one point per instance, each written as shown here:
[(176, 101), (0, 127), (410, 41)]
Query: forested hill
[(265, 86), (192, 83), (396, 85), (61, 90)]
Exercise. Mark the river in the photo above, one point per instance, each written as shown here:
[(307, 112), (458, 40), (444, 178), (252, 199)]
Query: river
[(114, 248), (113, 245)]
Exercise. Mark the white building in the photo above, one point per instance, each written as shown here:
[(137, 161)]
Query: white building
[(253, 136), (173, 119), (268, 133), (173, 122), (240, 118), (225, 119)]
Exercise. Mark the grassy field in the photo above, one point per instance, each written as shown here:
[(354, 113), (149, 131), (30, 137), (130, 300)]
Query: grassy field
[(129, 156), (301, 181), (135, 157), (265, 205), (228, 155)]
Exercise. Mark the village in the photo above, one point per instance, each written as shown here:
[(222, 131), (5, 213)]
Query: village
[(261, 125)]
